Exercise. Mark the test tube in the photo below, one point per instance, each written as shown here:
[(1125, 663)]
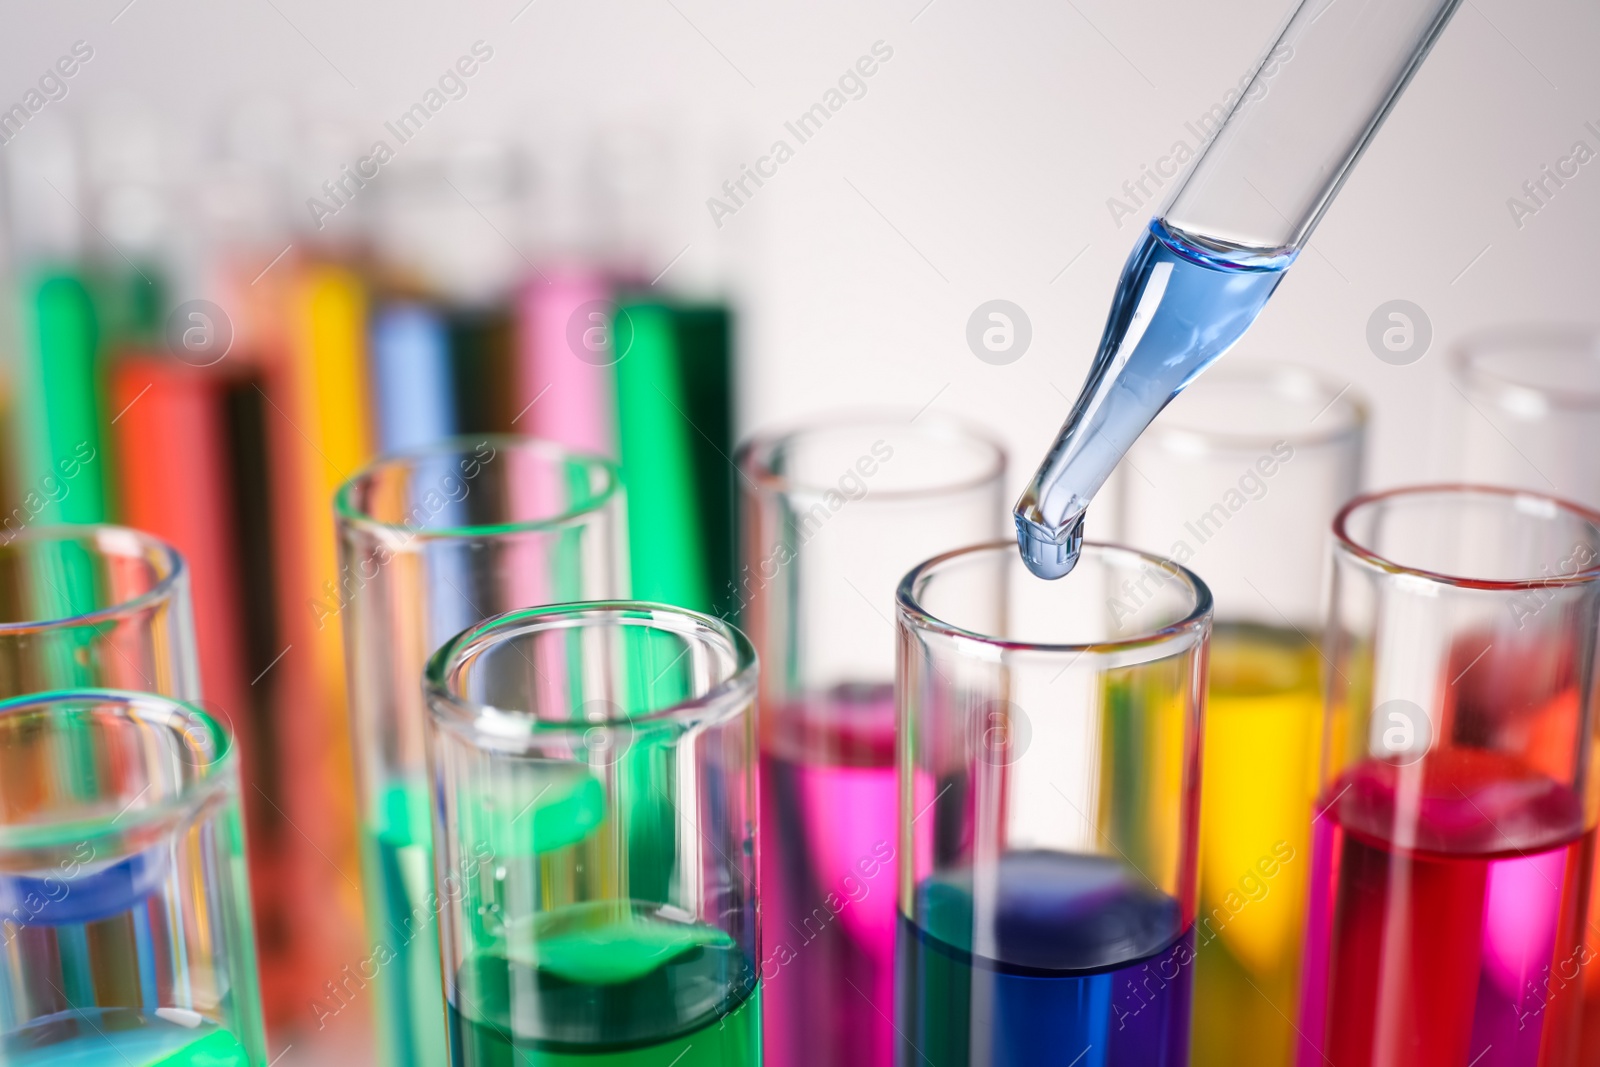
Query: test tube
[(834, 513), (431, 541), (595, 813), (1526, 404), (1527, 407), (1454, 832), (411, 375), (124, 899), (1240, 479), (1049, 760), (93, 606)]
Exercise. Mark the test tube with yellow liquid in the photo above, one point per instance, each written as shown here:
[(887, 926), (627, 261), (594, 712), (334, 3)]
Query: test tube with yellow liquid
[(1239, 480)]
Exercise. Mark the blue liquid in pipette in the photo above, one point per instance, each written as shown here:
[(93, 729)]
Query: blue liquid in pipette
[(1178, 307)]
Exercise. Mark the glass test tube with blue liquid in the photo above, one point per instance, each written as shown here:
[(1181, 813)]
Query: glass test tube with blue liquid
[(98, 606), (594, 788), (124, 897), (1049, 759), (1214, 255), (432, 540)]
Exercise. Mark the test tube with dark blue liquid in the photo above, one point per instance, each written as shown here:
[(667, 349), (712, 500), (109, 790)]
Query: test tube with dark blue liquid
[(124, 901), (1049, 803)]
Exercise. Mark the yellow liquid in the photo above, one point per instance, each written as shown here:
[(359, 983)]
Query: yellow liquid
[(1263, 731)]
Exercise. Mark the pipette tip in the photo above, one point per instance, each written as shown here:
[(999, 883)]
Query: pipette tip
[(1049, 554)]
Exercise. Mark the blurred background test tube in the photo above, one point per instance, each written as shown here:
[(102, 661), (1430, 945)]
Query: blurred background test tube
[(1049, 801), (1457, 796), (124, 898), (1528, 410), (833, 515), (594, 777), (432, 540), (1240, 479)]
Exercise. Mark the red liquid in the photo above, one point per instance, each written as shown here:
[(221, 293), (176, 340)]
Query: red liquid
[(1446, 916), (828, 809)]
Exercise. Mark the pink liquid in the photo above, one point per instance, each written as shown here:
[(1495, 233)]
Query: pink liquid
[(828, 809), (1446, 916)]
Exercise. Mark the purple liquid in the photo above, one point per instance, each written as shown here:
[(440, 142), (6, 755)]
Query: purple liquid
[(828, 809)]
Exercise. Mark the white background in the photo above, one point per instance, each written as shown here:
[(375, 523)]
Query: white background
[(977, 166)]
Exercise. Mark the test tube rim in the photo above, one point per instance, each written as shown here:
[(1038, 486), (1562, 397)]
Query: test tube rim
[(1352, 548), (210, 778), (162, 591), (1467, 369), (348, 514), (1195, 623), (753, 455), (449, 710), (1223, 443)]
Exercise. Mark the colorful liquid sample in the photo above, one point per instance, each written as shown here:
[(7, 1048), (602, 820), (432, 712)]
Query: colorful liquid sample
[(1079, 960), (172, 1037), (828, 806), (674, 411), (1444, 895), (607, 984), (1259, 775), (1588, 976), (408, 997), (64, 455), (1177, 309), (101, 953)]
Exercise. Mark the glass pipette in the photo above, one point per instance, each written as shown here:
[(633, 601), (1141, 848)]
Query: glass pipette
[(1232, 226)]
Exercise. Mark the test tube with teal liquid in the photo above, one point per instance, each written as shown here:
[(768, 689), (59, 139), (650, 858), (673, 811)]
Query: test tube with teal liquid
[(432, 540), (81, 606), (124, 898), (594, 803)]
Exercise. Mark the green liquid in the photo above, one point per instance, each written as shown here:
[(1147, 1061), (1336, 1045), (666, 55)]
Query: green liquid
[(62, 404), (608, 985), (403, 908), (403, 929), (122, 1037)]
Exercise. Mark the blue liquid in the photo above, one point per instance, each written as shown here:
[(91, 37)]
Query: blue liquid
[(1178, 308), (1087, 958), (411, 376), (49, 900)]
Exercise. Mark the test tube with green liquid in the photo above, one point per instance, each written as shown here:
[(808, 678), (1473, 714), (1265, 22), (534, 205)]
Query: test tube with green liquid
[(433, 539), (63, 477), (675, 437), (593, 778)]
